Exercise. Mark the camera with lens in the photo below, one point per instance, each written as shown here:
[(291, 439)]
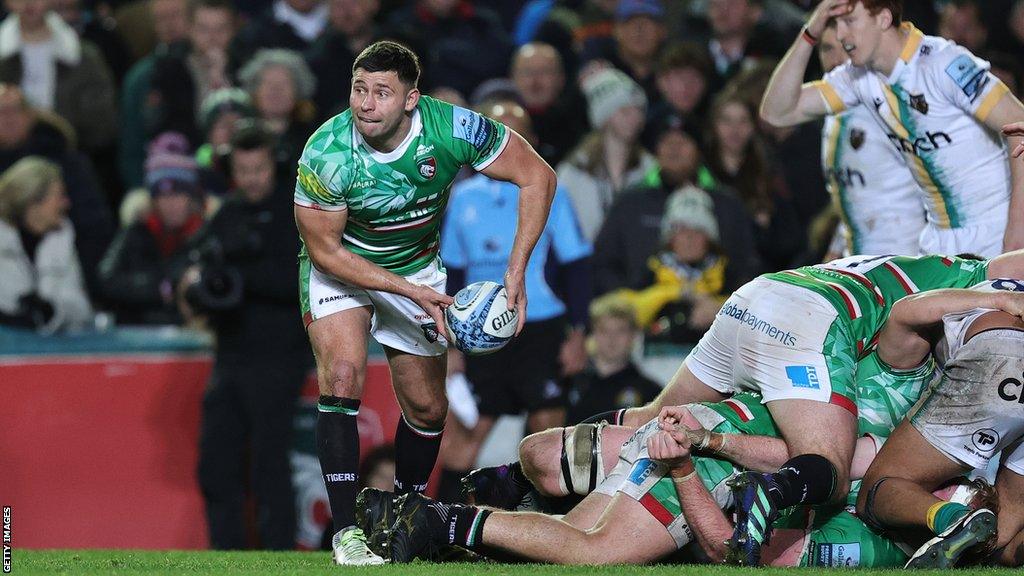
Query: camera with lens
[(219, 286)]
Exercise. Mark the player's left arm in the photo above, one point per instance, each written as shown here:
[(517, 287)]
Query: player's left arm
[(520, 164), (1009, 111)]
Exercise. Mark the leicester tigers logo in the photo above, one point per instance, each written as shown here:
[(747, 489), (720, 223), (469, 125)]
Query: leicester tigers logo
[(427, 167)]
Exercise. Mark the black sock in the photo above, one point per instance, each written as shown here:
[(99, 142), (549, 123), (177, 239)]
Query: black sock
[(450, 487), (805, 479), (415, 455), (516, 474), (458, 524), (337, 447)]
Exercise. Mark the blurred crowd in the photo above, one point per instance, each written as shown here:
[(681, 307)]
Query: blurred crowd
[(148, 152)]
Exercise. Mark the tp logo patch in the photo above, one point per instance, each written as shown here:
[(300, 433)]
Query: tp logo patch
[(430, 331), (803, 376)]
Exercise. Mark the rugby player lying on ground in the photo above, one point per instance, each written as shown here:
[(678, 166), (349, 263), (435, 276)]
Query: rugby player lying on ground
[(636, 514), (793, 336), (972, 411)]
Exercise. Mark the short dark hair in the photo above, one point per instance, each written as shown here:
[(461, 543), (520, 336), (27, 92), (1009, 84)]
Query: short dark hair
[(895, 7), (226, 5), (251, 135), (684, 55), (388, 56)]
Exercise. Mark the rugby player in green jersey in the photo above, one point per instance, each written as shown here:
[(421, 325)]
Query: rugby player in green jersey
[(372, 185)]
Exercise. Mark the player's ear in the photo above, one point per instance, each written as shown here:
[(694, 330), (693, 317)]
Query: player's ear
[(412, 99), (885, 18)]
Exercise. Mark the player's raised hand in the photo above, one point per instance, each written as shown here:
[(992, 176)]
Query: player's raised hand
[(433, 303), (1015, 129), (663, 448), (825, 10), (515, 289)]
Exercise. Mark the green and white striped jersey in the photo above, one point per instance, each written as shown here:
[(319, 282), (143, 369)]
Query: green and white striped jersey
[(395, 200)]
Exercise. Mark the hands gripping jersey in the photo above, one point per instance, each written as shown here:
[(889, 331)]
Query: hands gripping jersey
[(932, 108), (871, 185), (395, 200)]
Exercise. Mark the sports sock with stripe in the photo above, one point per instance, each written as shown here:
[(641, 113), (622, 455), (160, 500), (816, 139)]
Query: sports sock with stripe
[(458, 524), (942, 515), (415, 454), (337, 447)]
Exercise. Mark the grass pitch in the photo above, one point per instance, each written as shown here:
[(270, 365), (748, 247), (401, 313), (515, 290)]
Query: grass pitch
[(95, 562)]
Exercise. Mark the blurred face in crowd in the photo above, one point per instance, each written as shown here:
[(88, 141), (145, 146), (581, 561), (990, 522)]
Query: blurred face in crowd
[(70, 11), (173, 208), (962, 24), (733, 127), (1017, 20), (303, 6), (31, 13), (440, 8), (512, 115), (450, 95), (613, 339), (380, 102), (382, 476), (538, 75), (15, 117), (253, 173), (170, 20), (830, 51), (212, 29), (639, 37), (683, 88), (730, 18), (352, 17), (678, 157), (859, 32), (223, 129), (626, 123), (689, 245), (48, 213), (275, 95)]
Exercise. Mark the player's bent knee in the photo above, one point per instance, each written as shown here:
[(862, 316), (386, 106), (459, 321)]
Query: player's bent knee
[(341, 378), (430, 415), (538, 454)]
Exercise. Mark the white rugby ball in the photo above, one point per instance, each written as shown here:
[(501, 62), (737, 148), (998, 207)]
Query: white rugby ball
[(479, 321)]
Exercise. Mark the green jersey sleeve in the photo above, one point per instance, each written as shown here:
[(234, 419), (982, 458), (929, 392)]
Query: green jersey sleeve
[(474, 139), (322, 177)]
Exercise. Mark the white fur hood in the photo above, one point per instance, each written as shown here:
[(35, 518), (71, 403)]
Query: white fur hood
[(67, 48)]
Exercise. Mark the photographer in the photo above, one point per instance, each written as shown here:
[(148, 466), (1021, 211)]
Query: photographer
[(244, 283)]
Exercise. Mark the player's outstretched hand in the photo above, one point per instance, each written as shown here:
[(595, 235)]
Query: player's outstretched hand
[(1015, 129), (825, 10), (433, 303), (515, 289), (664, 448)]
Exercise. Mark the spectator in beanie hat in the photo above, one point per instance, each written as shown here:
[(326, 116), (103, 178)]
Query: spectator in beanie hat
[(220, 117), (138, 274), (610, 158)]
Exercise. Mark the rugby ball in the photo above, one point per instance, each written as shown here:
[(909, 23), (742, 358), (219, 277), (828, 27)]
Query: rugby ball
[(479, 321)]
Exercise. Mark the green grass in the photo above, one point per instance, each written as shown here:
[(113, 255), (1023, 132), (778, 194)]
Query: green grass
[(89, 562)]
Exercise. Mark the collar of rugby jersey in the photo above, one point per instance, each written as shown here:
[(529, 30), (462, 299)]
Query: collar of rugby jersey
[(910, 50)]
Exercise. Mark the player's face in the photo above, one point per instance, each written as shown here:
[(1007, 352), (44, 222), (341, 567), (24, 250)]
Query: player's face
[(859, 33), (379, 102), (830, 51)]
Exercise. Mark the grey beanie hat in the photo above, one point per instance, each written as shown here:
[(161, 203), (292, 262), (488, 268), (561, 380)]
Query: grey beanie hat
[(689, 207), (608, 90)]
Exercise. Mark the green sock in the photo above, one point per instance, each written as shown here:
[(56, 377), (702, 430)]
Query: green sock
[(945, 515)]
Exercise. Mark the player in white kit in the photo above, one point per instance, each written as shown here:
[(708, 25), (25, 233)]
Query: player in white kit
[(970, 414), (940, 107), (880, 204)]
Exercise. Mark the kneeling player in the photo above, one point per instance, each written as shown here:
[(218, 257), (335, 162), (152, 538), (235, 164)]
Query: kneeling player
[(971, 412)]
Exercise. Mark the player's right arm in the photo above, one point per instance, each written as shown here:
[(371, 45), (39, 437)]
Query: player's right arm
[(321, 231), (788, 101), (905, 339)]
